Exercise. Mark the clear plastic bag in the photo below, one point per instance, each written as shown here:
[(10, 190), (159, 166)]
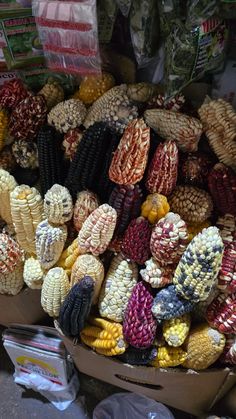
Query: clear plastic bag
[(131, 406)]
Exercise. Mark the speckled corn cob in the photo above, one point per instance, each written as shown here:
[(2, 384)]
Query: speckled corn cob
[(7, 185), (27, 118), (11, 266), (139, 326), (194, 205), (227, 274), (171, 125), (126, 200), (67, 115), (53, 93), (85, 204), (227, 227), (117, 288), (221, 313), (58, 205), (50, 158), (71, 141), (27, 211), (88, 265), (169, 239), (54, 291), (198, 268), (91, 159), (104, 337), (33, 273), (97, 231), (141, 92), (156, 275), (11, 93), (7, 160), (194, 168), (3, 127), (168, 305), (68, 257), (194, 229), (203, 345), (222, 186), (160, 102), (93, 87), (229, 353), (49, 241), (163, 169), (168, 356), (25, 153), (218, 119), (155, 207), (175, 331), (136, 241), (114, 108), (136, 356), (76, 307), (130, 158)]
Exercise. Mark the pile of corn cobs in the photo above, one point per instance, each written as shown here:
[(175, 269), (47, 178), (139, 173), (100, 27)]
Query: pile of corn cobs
[(125, 218)]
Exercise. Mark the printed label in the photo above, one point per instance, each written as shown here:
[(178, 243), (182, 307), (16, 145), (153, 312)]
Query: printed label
[(37, 366)]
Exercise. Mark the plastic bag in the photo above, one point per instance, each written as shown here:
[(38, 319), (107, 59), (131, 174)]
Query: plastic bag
[(131, 406), (201, 10)]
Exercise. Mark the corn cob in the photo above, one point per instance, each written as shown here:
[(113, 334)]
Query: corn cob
[(155, 207), (11, 266), (27, 118), (198, 268), (159, 102), (218, 119), (50, 158), (141, 92), (91, 160), (88, 265), (227, 274), (114, 108), (136, 356), (85, 204), (3, 127), (136, 241), (227, 227), (117, 288), (175, 331), (67, 115), (167, 356), (126, 200), (54, 291), (27, 211), (229, 353), (203, 345), (105, 337), (93, 87), (49, 241), (25, 153), (130, 158), (97, 231), (167, 304), (221, 313), (170, 125), (33, 273), (139, 326), (194, 169), (71, 141), (58, 205), (222, 186), (76, 307), (163, 169), (156, 275), (7, 185), (53, 94), (68, 257), (7, 160), (169, 239), (194, 205), (194, 229), (11, 93)]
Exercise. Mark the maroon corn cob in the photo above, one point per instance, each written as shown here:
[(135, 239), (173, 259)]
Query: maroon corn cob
[(136, 241)]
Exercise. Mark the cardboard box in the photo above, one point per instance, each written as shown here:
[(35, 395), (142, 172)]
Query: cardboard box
[(190, 391), (24, 307)]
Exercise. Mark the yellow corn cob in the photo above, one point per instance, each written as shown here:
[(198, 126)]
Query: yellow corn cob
[(155, 207), (3, 127), (194, 229), (104, 337), (69, 256), (175, 331), (168, 356)]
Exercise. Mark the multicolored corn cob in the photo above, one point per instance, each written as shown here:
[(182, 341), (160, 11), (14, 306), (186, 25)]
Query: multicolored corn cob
[(136, 241), (71, 141), (53, 94), (227, 273), (229, 353), (159, 102), (156, 275), (194, 169), (11, 93), (58, 205), (11, 266), (176, 330), (25, 153), (67, 115), (222, 186), (85, 204), (221, 313), (49, 242), (168, 304), (54, 291)]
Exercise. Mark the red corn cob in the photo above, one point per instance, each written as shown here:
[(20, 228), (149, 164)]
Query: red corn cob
[(136, 242), (222, 186)]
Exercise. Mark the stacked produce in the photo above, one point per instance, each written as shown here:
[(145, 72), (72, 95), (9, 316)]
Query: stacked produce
[(131, 237)]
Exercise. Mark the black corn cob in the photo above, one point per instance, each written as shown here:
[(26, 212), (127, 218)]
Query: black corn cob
[(76, 307), (50, 158), (134, 356), (126, 200)]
